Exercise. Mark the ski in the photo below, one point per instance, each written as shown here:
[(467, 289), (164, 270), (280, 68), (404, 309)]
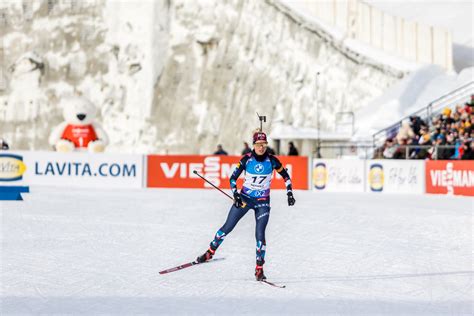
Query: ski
[(273, 284), (187, 265)]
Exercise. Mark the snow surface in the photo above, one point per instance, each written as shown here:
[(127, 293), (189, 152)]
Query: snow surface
[(413, 93), (78, 251)]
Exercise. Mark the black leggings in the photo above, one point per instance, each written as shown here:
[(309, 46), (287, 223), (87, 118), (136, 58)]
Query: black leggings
[(262, 214)]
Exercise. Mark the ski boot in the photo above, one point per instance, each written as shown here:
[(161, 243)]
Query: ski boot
[(206, 256), (259, 275)]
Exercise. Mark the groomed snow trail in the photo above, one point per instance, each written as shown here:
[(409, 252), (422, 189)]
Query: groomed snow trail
[(91, 252)]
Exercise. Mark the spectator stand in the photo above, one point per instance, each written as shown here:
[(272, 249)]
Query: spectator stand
[(458, 96), (446, 132)]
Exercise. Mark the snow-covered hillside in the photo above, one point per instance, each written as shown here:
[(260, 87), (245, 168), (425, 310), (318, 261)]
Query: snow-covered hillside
[(182, 76), (110, 52), (425, 83), (413, 94), (224, 61)]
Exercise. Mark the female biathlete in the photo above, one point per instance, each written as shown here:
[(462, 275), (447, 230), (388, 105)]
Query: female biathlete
[(255, 194)]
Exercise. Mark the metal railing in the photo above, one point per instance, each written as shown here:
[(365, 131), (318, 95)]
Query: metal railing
[(344, 151), (399, 152), (461, 94), (433, 152)]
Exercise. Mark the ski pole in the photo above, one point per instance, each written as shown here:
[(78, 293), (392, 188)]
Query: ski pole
[(196, 173)]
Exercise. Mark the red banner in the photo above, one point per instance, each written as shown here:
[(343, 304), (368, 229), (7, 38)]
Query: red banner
[(177, 171), (450, 177)]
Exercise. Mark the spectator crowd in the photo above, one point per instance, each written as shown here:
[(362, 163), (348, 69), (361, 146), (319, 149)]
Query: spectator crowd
[(449, 135)]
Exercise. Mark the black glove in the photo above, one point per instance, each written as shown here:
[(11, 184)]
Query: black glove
[(291, 199), (238, 200)]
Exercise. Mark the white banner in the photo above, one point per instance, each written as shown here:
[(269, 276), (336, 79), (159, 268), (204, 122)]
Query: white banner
[(71, 169), (338, 175), (395, 176)]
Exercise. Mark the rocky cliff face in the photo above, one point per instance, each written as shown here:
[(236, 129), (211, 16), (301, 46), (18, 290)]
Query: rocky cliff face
[(179, 76)]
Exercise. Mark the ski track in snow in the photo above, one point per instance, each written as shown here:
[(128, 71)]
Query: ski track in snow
[(91, 252)]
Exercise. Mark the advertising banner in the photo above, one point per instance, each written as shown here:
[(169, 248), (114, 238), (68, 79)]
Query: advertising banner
[(450, 177), (71, 169), (395, 176), (338, 175), (177, 171)]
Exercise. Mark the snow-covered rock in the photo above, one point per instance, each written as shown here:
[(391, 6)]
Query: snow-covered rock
[(184, 77)]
